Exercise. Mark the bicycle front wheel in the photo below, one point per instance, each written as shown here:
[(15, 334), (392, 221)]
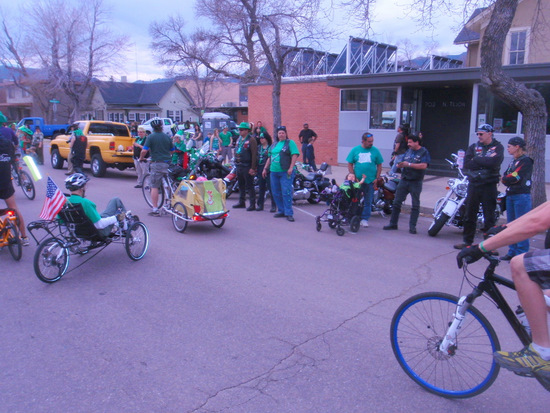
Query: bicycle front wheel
[(15, 244), (51, 260), (27, 185), (137, 241), (146, 189), (466, 369)]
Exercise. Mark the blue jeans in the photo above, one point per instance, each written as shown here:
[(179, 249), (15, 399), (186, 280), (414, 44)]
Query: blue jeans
[(368, 191), (405, 187), (516, 206), (281, 188)]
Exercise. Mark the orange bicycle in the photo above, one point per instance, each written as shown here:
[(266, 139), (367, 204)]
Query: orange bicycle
[(9, 233)]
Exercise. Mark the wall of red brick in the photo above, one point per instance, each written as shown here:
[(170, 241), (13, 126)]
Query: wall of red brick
[(314, 103)]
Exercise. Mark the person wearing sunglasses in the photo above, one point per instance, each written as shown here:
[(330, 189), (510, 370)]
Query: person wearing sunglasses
[(482, 163)]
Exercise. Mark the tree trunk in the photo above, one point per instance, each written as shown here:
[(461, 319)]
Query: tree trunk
[(528, 101), (276, 99)]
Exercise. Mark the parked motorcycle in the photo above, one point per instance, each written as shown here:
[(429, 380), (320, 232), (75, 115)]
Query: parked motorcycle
[(384, 194), (450, 209), (311, 185)]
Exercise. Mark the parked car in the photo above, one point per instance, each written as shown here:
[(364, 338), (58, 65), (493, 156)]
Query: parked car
[(49, 131), (109, 146)]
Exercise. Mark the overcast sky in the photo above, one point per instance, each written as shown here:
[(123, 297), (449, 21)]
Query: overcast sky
[(133, 17)]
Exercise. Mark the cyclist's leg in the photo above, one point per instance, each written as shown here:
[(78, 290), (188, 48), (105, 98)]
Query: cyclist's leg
[(531, 274), (114, 206), (10, 202)]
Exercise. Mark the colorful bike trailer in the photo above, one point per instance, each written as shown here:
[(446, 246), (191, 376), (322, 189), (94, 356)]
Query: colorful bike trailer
[(199, 201)]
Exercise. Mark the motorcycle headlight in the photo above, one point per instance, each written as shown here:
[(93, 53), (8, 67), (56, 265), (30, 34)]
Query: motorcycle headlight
[(451, 182), (462, 190)]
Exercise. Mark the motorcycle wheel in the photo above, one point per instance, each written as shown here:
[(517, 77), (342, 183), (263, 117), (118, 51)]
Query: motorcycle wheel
[(354, 224), (437, 224), (388, 208), (314, 198), (331, 224)]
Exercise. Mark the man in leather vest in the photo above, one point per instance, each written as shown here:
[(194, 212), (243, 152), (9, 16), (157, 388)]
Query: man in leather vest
[(482, 160), (246, 160)]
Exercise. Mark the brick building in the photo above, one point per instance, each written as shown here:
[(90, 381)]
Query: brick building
[(312, 102)]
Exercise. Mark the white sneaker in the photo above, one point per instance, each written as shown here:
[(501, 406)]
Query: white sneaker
[(364, 223)]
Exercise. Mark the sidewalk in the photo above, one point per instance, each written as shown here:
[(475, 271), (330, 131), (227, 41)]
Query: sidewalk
[(434, 187)]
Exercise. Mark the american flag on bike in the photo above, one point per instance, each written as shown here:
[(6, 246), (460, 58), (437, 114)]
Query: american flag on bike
[(54, 201)]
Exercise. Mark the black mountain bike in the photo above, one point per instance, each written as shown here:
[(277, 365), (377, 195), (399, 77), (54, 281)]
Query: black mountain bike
[(446, 345)]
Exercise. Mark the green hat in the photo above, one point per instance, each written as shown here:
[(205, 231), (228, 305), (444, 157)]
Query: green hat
[(77, 132), (3, 119), (26, 130), (244, 125)]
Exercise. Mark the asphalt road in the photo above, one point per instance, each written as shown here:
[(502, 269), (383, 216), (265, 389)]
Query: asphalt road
[(262, 315)]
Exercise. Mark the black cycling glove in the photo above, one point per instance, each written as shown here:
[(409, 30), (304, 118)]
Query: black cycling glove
[(468, 255), (491, 232)]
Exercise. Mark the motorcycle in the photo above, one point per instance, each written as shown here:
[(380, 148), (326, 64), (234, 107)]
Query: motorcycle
[(384, 194), (207, 164), (311, 186), (450, 209)]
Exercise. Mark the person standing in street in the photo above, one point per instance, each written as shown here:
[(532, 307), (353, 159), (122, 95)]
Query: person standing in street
[(225, 150), (307, 137), (280, 164), (246, 160), (517, 179), (79, 143), (37, 144), (413, 168), (366, 159), (482, 160), (160, 146), (141, 167)]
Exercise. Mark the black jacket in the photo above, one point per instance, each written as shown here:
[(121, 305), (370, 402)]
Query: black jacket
[(483, 162)]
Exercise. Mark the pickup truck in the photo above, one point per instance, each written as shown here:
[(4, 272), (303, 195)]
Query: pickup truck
[(49, 131), (167, 125), (109, 146)]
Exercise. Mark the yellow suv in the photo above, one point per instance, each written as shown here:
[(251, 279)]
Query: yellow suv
[(109, 145)]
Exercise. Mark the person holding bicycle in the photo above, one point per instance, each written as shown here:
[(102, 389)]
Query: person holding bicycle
[(7, 192), (531, 276), (161, 147)]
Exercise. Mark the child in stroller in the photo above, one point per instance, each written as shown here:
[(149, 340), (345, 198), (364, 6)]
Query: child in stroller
[(345, 207)]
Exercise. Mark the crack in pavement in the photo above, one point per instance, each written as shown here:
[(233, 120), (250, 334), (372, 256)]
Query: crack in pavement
[(297, 361)]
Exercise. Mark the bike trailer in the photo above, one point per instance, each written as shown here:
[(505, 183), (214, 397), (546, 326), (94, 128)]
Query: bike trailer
[(203, 200)]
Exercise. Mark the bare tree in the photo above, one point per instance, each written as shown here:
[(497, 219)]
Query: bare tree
[(246, 35), (71, 43), (527, 101)]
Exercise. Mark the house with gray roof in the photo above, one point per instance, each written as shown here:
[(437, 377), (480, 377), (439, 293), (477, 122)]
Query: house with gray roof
[(129, 102)]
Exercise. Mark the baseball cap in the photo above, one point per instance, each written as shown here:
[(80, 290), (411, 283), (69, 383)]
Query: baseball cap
[(485, 128)]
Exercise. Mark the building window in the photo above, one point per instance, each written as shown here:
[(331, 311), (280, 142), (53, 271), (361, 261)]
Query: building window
[(111, 117), (354, 100), (492, 110), (518, 47), (544, 90), (170, 114), (131, 117), (11, 92), (383, 108)]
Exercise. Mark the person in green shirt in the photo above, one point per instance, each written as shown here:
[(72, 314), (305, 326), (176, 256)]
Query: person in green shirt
[(104, 222), (225, 137), (366, 160), (282, 157)]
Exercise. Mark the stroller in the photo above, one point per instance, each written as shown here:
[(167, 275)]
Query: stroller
[(345, 207)]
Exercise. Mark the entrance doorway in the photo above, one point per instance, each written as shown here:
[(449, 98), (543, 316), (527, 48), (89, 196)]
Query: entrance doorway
[(445, 122)]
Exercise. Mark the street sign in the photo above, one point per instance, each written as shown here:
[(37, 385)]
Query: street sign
[(54, 101)]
